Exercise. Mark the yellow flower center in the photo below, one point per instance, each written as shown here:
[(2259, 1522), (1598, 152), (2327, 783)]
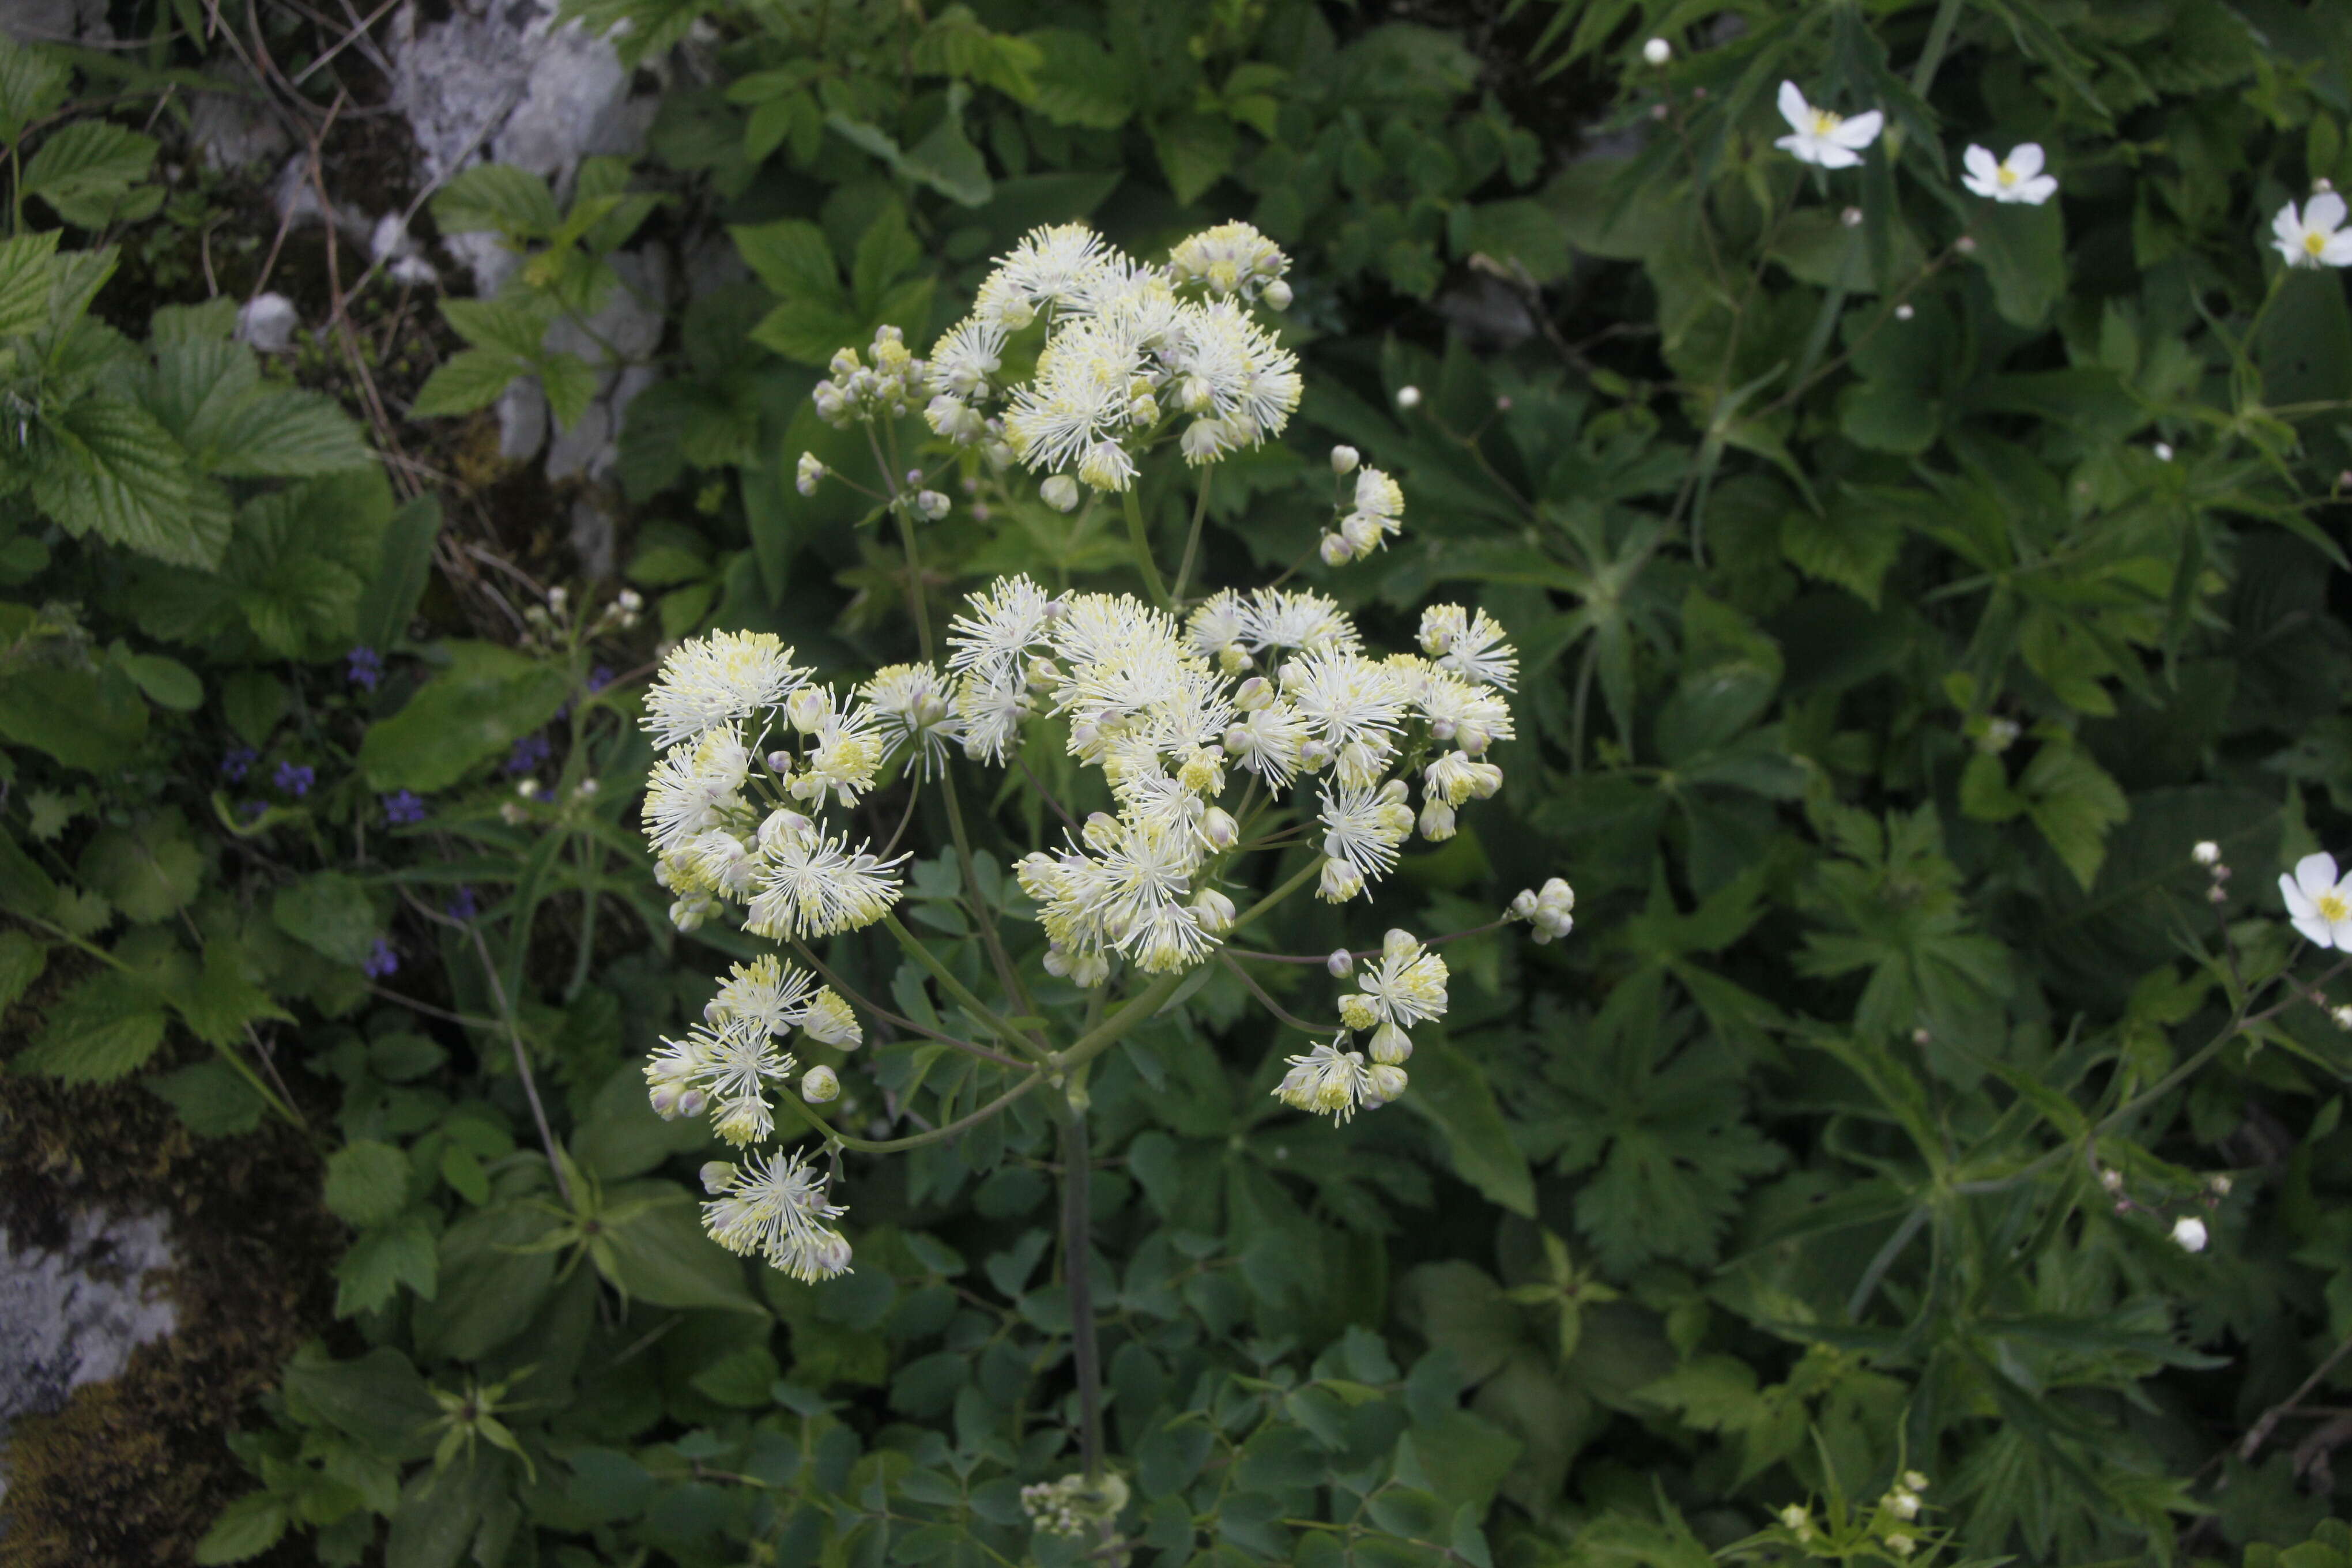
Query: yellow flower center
[(2315, 242), (2330, 907), (2005, 175), (1825, 123)]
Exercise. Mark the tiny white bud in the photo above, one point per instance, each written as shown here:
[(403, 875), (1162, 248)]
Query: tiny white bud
[(2321, 185), (1407, 397), (932, 505), (2163, 452), (631, 600), (1851, 217), (717, 1175), (2219, 1182), (2112, 1180), (1341, 963), (1278, 295), (2206, 853), (1060, 491), (820, 1086), (1904, 312), (556, 597), (1344, 460), (2188, 1234), (1965, 245), (1913, 1481), (1219, 828), (2341, 1018), (807, 709), (1657, 51)]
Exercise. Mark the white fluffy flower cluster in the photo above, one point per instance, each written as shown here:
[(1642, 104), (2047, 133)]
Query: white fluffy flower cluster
[(1167, 711), (1406, 985), (725, 1064), (1125, 352), (775, 1207), (722, 818)]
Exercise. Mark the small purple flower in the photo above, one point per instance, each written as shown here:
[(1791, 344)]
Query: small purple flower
[(402, 807), (600, 678), (382, 962), (295, 778), (528, 753), (461, 905), (237, 763), (366, 667)]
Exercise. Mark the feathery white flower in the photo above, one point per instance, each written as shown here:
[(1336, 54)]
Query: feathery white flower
[(912, 706), (1327, 1081), (814, 886), (1363, 827), (693, 789), (1407, 984), (2016, 178), (1469, 642), (716, 679), (1821, 137), (774, 1208), (1008, 617), (2319, 902), (1055, 266), (966, 356), (2316, 237), (765, 993)]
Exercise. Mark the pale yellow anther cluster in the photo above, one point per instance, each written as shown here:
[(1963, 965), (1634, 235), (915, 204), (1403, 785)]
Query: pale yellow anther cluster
[(1126, 353)]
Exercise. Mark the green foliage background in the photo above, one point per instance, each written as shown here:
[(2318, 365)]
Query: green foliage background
[(1895, 613)]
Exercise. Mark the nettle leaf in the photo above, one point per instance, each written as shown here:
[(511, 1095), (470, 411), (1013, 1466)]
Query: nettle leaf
[(86, 170), (148, 871), (2074, 802), (211, 1097), (467, 380), (1079, 83), (29, 270), (367, 1183), (103, 1029), (329, 912), (33, 82), (104, 466), (496, 198)]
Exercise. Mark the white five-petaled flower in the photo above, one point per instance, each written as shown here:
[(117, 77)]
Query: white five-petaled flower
[(2316, 237), (2016, 178), (1821, 136), (2319, 902)]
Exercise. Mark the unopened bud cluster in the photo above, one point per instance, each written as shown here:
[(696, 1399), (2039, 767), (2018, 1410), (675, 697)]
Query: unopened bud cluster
[(1551, 910)]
